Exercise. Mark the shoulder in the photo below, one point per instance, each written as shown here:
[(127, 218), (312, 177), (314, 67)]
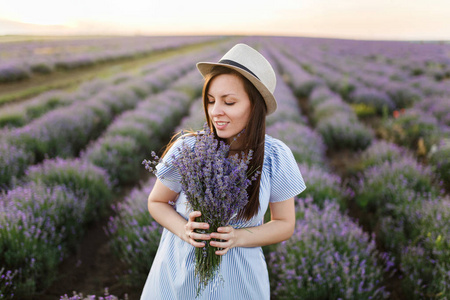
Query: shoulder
[(275, 147), (187, 140), (278, 155)]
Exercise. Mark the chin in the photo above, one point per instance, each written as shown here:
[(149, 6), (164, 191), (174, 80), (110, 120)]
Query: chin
[(224, 135)]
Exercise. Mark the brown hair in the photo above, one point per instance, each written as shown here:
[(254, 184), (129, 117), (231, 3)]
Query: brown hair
[(254, 134)]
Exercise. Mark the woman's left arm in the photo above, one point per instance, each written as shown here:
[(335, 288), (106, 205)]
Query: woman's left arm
[(280, 228)]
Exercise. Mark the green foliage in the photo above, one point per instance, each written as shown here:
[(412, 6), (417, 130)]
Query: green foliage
[(363, 110), (328, 257), (135, 130), (409, 128), (439, 158), (339, 132), (327, 109), (323, 185), (37, 110), (384, 186), (81, 177), (403, 96), (37, 226), (134, 235), (419, 236), (41, 68), (381, 151), (13, 162), (117, 155), (343, 85), (10, 118)]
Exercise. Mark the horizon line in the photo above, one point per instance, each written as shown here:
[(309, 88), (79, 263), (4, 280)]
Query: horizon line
[(175, 34)]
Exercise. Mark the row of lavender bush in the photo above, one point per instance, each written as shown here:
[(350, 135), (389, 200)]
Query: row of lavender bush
[(411, 215), (425, 132), (333, 118), (394, 191), (154, 116), (65, 131), (122, 146), (329, 256), (402, 186), (22, 113), (41, 222), (20, 60), (94, 197), (385, 89), (373, 85), (404, 58)]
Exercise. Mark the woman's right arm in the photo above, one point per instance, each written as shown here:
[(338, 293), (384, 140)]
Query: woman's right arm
[(168, 217)]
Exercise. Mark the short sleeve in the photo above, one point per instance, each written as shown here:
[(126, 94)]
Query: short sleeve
[(286, 178), (165, 170)]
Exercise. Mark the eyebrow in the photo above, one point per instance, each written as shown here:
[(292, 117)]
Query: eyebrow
[(223, 96)]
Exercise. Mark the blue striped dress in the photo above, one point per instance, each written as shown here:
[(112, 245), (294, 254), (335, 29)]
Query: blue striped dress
[(243, 271)]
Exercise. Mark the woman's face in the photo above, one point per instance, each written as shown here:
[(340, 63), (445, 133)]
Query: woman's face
[(229, 106)]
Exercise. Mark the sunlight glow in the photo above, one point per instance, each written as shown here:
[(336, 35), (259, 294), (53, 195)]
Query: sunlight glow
[(390, 19)]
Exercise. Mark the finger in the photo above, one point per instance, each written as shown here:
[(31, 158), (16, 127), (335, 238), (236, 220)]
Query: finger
[(193, 215), (220, 236), (197, 244), (197, 227), (217, 244), (193, 242), (222, 252), (223, 233), (199, 236), (226, 229)]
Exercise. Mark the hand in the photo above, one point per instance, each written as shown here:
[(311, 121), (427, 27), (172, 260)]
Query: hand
[(226, 237), (190, 235)]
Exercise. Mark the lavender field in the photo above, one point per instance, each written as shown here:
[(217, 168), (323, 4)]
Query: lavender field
[(368, 123)]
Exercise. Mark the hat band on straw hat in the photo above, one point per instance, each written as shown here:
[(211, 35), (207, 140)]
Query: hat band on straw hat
[(236, 64)]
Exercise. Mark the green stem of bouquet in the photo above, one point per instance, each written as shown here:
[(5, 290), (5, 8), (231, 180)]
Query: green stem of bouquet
[(207, 263)]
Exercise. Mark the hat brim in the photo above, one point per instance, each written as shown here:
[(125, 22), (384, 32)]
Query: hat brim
[(206, 67)]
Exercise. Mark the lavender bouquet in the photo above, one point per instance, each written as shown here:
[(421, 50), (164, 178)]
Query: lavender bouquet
[(216, 185)]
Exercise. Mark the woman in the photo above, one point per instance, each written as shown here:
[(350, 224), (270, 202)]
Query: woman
[(237, 95)]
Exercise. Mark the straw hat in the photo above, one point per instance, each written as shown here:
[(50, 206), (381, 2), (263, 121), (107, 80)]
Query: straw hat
[(253, 66)]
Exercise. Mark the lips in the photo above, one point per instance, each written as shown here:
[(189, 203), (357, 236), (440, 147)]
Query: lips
[(220, 125)]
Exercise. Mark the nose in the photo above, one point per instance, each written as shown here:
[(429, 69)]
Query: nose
[(216, 109)]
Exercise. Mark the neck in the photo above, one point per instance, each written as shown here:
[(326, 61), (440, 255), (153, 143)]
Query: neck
[(235, 145)]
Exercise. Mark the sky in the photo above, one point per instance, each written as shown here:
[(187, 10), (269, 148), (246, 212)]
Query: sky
[(354, 19)]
